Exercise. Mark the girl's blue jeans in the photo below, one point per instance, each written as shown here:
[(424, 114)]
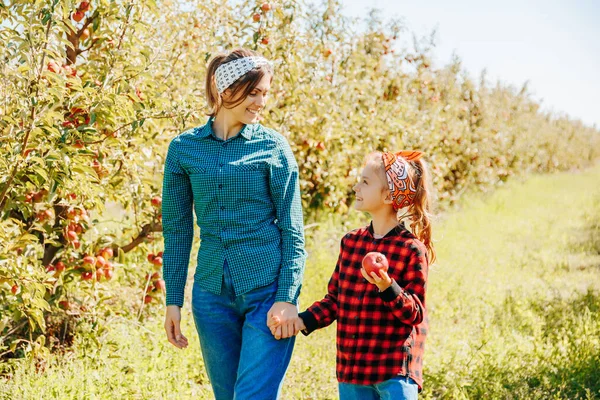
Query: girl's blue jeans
[(397, 388), (242, 358)]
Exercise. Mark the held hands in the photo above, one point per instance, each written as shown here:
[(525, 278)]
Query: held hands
[(383, 282), (283, 320), (172, 327)]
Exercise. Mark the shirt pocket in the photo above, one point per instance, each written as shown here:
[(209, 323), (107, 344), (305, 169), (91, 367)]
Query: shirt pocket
[(249, 181), (196, 170)]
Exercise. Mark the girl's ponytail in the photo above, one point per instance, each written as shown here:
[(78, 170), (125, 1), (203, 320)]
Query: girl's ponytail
[(420, 210)]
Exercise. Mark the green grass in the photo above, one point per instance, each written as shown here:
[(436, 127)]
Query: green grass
[(514, 308)]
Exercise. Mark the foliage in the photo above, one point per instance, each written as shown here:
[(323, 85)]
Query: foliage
[(91, 93)]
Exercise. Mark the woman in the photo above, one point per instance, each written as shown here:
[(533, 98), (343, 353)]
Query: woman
[(242, 181)]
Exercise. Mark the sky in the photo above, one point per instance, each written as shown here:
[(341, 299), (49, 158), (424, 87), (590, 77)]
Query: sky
[(554, 45)]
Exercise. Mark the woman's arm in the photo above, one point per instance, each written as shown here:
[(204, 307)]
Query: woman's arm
[(178, 226), (285, 194)]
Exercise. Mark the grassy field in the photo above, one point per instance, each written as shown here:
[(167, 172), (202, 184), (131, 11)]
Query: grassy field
[(514, 307)]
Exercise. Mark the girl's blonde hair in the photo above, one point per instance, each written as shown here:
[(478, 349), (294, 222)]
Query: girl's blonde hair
[(419, 212), (240, 89)]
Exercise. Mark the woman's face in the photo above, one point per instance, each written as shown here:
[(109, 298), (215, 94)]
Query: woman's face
[(248, 112)]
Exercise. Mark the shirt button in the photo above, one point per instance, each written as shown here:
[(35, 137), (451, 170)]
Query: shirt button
[(353, 336), (220, 186), (221, 164), (222, 208), (356, 317)]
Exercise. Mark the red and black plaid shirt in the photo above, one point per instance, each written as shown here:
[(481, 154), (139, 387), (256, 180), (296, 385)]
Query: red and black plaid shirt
[(379, 334)]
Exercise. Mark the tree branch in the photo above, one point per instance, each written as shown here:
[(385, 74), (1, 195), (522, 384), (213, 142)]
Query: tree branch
[(139, 239)]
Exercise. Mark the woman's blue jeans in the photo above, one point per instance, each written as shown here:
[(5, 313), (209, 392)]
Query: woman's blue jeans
[(242, 358), (397, 388)]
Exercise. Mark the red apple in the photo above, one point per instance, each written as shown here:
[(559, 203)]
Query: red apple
[(64, 304), (107, 253), (89, 260), (375, 262), (100, 261), (71, 236), (14, 289), (108, 273), (147, 299), (87, 276), (78, 16), (60, 266), (265, 7), (84, 35), (76, 244), (265, 40), (84, 6), (256, 17), (157, 261), (160, 285), (53, 67), (156, 201), (151, 257)]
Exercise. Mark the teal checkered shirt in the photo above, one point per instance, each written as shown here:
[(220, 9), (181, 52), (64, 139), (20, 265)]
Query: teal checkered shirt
[(246, 196)]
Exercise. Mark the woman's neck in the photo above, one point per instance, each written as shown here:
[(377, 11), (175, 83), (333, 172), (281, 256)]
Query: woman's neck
[(225, 127), (383, 222)]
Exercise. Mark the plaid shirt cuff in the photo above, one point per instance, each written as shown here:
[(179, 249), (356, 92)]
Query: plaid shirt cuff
[(310, 322), (391, 293)]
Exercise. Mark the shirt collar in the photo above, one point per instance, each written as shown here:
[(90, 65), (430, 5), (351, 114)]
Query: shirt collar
[(206, 130), (393, 232)]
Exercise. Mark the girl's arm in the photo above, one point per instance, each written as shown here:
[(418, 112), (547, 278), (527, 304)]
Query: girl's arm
[(323, 312), (407, 303), (178, 226)]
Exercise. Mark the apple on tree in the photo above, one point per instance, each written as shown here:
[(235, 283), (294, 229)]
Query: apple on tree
[(375, 262)]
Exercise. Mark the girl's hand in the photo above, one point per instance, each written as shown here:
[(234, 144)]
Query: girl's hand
[(382, 282)]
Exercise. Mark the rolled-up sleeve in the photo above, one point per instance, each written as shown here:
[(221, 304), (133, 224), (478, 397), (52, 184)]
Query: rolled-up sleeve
[(178, 226), (285, 193)]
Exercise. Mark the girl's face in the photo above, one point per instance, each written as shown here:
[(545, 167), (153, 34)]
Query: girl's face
[(248, 112), (372, 193)]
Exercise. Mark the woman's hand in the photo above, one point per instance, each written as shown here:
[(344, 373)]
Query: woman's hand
[(282, 320), (172, 326), (382, 282), (274, 322)]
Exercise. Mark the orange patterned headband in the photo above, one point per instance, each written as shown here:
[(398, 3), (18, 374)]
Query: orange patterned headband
[(396, 171)]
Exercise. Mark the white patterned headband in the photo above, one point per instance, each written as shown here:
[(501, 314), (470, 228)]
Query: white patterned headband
[(230, 72)]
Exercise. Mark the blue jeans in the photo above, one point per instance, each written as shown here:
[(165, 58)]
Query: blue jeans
[(242, 358), (397, 388)]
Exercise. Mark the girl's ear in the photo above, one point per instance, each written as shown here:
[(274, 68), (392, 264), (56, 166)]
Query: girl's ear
[(388, 198)]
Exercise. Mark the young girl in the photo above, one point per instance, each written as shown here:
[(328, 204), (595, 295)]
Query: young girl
[(381, 321), (241, 179)]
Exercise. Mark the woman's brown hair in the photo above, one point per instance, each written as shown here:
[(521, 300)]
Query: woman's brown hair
[(240, 89)]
